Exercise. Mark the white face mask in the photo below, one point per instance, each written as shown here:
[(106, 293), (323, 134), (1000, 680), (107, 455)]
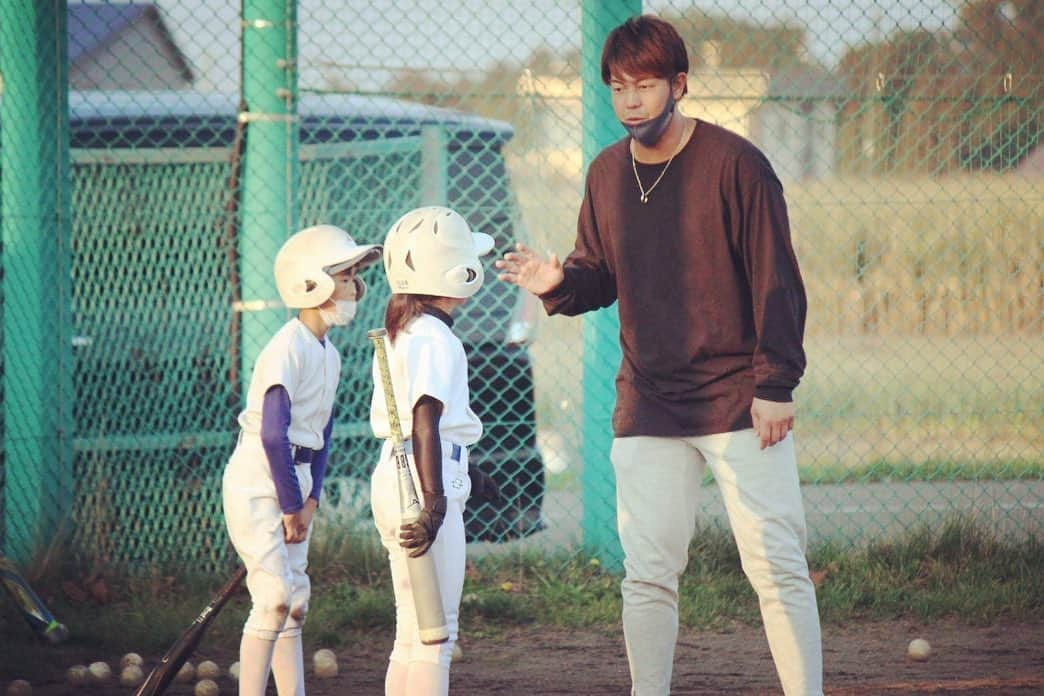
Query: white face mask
[(342, 313)]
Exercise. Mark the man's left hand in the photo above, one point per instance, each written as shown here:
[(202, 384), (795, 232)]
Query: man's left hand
[(772, 420)]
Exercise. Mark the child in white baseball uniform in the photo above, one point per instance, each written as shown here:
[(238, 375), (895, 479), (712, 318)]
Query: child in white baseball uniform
[(431, 258), (272, 483)]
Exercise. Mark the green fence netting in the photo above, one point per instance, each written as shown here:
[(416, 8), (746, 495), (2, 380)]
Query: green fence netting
[(138, 233)]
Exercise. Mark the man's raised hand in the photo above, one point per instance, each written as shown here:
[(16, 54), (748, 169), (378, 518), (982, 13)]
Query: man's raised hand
[(528, 271)]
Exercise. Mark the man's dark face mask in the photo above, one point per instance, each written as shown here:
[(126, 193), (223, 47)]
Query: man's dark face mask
[(648, 133)]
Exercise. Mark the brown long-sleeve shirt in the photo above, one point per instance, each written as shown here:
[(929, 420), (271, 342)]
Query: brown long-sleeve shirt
[(710, 298)]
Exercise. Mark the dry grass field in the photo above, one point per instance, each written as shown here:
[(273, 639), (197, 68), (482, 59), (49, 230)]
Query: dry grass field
[(924, 333)]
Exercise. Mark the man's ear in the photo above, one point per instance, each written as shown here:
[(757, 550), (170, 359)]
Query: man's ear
[(680, 84)]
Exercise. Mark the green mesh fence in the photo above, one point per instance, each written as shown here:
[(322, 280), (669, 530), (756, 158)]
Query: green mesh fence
[(138, 235)]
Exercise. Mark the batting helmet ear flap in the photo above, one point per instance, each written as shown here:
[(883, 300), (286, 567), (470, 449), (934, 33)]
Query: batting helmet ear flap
[(465, 276), (304, 284)]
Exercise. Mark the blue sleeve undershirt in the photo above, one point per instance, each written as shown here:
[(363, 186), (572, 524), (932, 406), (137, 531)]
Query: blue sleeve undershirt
[(275, 424), (319, 464)]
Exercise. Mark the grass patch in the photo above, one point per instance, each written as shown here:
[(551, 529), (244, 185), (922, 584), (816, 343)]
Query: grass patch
[(570, 590), (959, 571), (884, 470), (956, 570), (868, 407), (341, 608)]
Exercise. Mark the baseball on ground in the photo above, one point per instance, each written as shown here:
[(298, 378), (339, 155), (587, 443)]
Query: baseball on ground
[(131, 659), (77, 675), (19, 687), (100, 672), (233, 670), (131, 675), (919, 649), (186, 674), (208, 669), (206, 687), (324, 663), (458, 653)]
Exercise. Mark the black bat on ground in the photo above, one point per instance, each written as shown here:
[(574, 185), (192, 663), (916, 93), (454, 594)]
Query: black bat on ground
[(32, 607), (162, 675)]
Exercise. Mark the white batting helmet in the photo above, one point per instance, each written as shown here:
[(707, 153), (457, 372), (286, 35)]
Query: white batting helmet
[(432, 251), (307, 259)]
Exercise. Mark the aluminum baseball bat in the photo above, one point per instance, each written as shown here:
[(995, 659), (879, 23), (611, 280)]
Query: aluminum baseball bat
[(424, 581)]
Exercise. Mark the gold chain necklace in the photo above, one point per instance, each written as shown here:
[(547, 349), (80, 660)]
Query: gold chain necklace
[(644, 197)]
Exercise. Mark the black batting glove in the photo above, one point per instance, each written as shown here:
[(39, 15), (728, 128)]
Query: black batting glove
[(418, 536), (483, 486)]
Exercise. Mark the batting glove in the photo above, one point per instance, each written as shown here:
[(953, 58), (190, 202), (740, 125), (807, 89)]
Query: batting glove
[(420, 535)]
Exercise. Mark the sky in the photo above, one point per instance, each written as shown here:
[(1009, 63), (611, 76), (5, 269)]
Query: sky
[(356, 42)]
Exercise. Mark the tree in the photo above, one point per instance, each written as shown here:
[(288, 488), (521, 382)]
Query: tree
[(1003, 42), (1004, 35), (935, 102)]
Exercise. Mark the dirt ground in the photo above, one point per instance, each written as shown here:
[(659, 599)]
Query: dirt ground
[(859, 660)]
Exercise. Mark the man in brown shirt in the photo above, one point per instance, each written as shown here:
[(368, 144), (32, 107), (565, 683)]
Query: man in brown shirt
[(684, 226)]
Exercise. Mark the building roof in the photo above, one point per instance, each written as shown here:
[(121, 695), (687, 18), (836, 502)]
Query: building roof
[(113, 118), (806, 82), (93, 26)]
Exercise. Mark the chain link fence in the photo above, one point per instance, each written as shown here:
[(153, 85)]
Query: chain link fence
[(136, 264)]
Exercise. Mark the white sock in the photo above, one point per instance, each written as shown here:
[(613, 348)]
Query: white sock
[(288, 666), (395, 679), (255, 662), (428, 679)]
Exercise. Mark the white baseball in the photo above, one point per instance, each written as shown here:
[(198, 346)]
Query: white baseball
[(131, 675), (19, 687), (77, 675), (208, 669), (206, 687), (186, 674), (324, 663), (131, 659), (100, 672), (233, 670), (919, 649)]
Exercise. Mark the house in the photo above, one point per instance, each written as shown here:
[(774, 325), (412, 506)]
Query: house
[(551, 113), (726, 97), (796, 124), (125, 47)]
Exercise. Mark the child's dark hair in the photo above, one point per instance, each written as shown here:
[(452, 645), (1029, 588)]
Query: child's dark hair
[(401, 309), (644, 45)]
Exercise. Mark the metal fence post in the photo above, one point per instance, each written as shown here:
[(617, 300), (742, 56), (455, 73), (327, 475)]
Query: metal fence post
[(434, 166), (600, 329), (36, 286), (270, 179)]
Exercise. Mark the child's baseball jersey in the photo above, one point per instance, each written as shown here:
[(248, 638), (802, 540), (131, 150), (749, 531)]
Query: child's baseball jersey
[(427, 359), (308, 369)]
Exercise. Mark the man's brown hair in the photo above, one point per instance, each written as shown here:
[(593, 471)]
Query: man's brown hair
[(644, 45)]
